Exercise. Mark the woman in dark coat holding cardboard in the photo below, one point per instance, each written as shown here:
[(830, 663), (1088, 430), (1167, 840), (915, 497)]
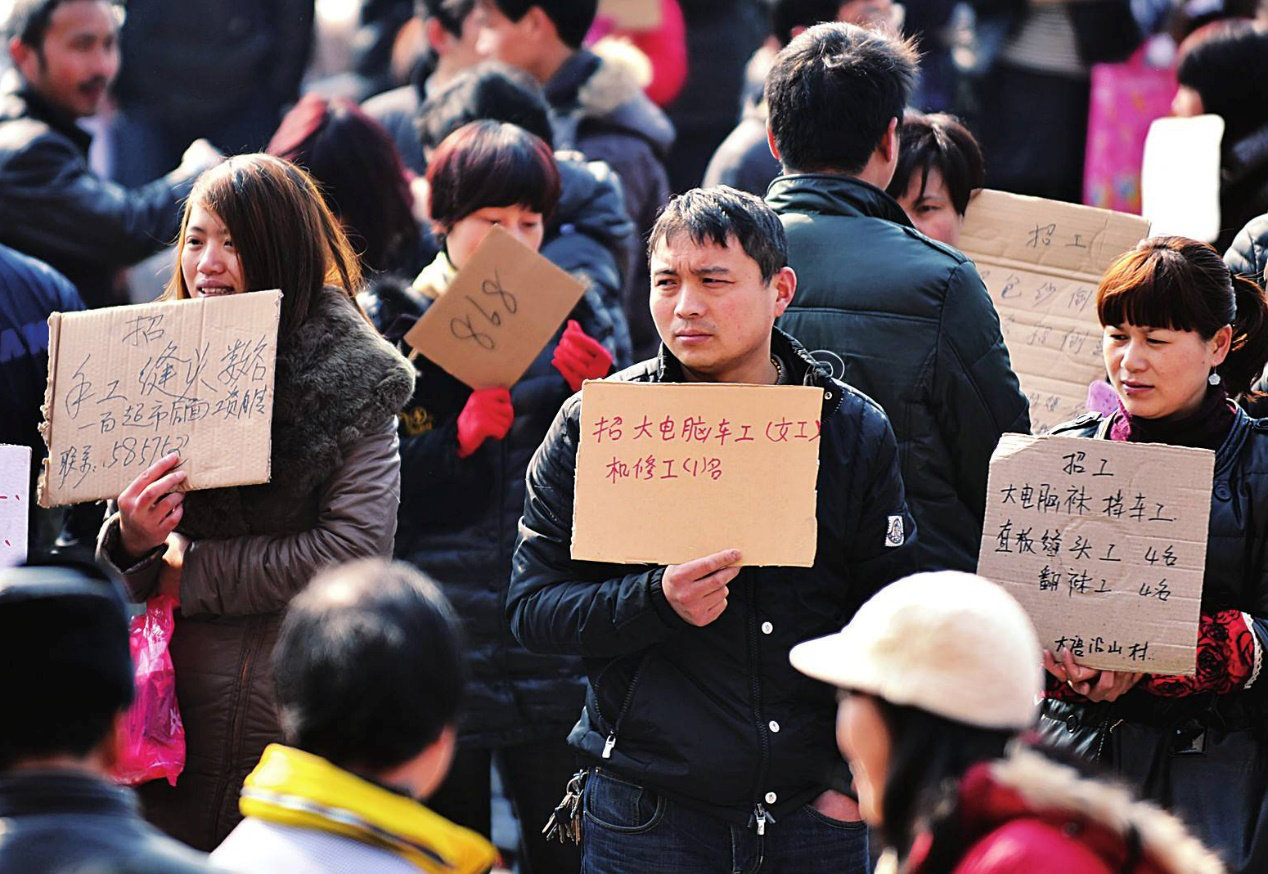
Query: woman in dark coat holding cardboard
[(236, 556), (1183, 337), (464, 454)]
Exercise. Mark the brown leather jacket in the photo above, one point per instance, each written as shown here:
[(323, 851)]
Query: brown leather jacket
[(333, 497)]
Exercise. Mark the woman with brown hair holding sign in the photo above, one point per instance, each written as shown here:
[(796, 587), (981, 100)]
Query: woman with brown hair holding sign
[(1182, 339), (235, 557), (464, 454)]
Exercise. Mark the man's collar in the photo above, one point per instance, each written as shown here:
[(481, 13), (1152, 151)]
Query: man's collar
[(803, 369), (562, 90), (39, 108)]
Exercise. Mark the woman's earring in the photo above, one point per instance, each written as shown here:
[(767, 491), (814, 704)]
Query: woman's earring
[(1213, 379)]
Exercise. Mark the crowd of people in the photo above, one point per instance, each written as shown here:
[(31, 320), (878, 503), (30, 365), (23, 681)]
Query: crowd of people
[(392, 635)]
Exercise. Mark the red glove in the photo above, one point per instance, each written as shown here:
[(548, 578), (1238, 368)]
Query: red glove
[(580, 357), (487, 415)]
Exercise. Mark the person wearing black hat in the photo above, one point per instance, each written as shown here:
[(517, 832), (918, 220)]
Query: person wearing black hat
[(68, 679)]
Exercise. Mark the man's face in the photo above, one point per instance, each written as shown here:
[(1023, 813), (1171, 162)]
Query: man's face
[(79, 58), (711, 307), (502, 39), (460, 51)]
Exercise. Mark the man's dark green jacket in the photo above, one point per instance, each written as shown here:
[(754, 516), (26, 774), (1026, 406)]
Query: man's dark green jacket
[(908, 322)]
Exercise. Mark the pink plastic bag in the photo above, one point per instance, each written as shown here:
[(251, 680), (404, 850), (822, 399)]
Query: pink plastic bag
[(1126, 98), (152, 737)]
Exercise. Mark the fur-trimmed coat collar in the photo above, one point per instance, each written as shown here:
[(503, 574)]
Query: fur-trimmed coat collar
[(1026, 807), (603, 88), (336, 380)]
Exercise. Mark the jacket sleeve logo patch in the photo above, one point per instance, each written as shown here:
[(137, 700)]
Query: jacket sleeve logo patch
[(894, 536)]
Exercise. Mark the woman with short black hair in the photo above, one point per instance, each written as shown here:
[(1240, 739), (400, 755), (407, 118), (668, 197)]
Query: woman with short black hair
[(1223, 70), (464, 455), (940, 165)]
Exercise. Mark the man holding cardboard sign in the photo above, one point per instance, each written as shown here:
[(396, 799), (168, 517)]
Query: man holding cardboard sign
[(710, 752)]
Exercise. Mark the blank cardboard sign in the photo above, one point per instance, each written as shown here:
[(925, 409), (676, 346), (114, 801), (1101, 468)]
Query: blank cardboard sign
[(1104, 544), (667, 473), (15, 503), (1041, 261), (1180, 176), (632, 14), (497, 315), (127, 385)]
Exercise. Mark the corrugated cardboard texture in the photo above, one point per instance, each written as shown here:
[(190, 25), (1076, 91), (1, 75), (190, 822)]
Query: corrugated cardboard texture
[(1104, 544), (497, 315), (15, 502), (670, 473), (1042, 260), (128, 385)]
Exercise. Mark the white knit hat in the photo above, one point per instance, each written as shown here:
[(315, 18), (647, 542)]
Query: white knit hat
[(951, 643)]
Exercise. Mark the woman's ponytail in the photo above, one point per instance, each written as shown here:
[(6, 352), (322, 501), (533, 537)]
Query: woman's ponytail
[(1249, 353)]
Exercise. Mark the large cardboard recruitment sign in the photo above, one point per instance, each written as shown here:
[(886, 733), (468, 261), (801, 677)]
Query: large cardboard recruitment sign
[(128, 385), (1042, 261), (670, 473), (497, 314), (15, 503), (1104, 544)]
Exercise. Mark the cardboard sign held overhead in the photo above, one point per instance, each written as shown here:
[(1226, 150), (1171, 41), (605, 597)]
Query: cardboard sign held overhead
[(1042, 261), (15, 503), (669, 473), (632, 14), (128, 385), (1104, 544), (497, 315)]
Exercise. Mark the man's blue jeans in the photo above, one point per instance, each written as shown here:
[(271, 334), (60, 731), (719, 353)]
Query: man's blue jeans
[(632, 830)]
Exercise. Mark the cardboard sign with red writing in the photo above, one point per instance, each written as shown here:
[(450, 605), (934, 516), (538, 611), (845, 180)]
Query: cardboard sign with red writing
[(497, 315), (667, 473)]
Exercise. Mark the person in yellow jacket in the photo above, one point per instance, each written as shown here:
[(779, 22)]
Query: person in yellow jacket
[(369, 675)]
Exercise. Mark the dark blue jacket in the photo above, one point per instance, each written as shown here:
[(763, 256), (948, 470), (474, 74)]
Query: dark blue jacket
[(908, 322), (30, 291), (714, 717)]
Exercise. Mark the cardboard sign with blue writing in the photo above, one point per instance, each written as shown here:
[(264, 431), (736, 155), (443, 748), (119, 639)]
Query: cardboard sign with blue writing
[(128, 385), (497, 315), (1104, 544), (667, 473), (1041, 261)]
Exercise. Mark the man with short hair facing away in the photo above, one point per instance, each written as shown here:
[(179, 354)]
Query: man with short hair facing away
[(597, 107), (904, 319), (53, 207), (369, 676), (68, 684), (707, 751)]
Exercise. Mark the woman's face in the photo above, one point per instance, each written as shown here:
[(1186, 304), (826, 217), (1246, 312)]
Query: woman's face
[(1187, 102), (932, 212), (1159, 372), (864, 741), (466, 234), (209, 259)]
